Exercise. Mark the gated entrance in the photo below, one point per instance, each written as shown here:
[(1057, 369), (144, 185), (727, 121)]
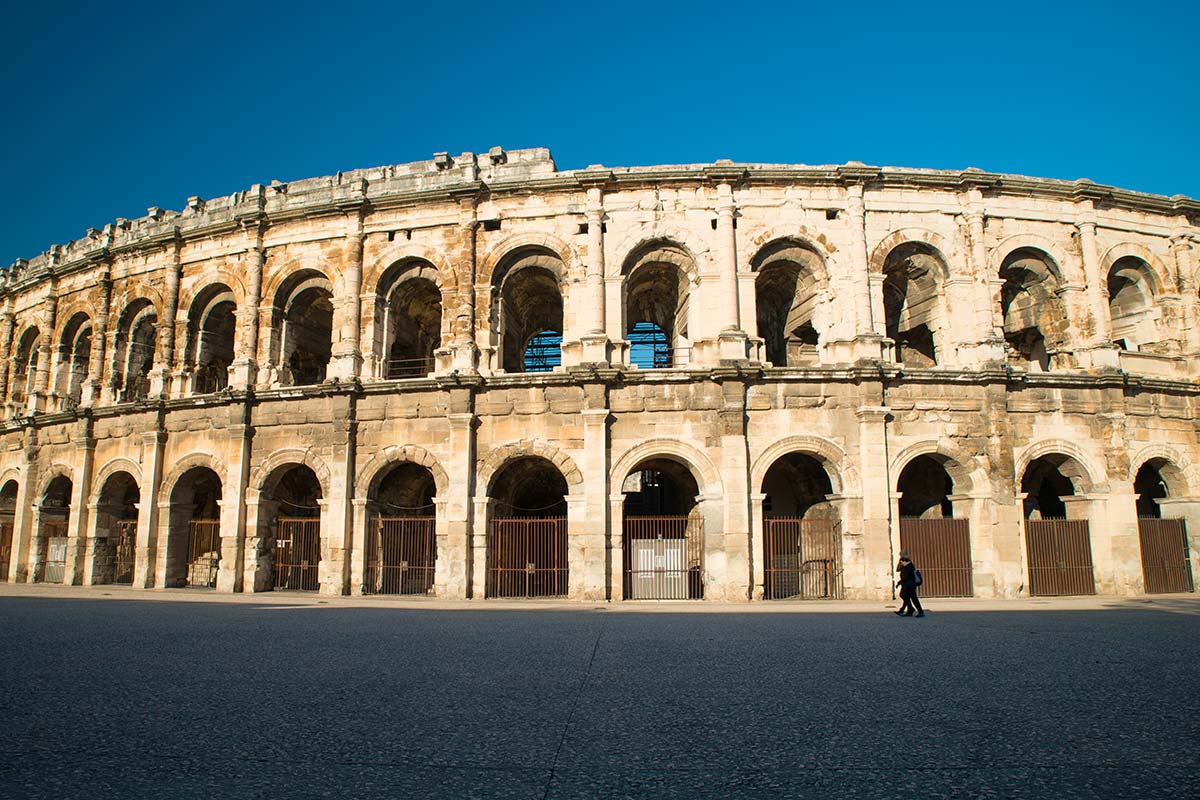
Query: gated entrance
[(802, 559), (1166, 566), (1060, 557), (297, 553), (941, 549), (54, 538), (204, 552), (664, 558), (401, 554), (125, 536), (6, 536), (527, 557)]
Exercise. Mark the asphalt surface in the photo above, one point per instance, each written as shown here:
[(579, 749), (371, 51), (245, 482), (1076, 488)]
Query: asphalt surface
[(112, 697)]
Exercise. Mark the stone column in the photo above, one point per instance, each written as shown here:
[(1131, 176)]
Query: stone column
[(164, 354), (81, 490), (595, 338), (23, 518), (733, 577), (616, 546), (244, 370), (361, 513), (336, 515), (454, 576), (465, 358), (41, 393), (478, 546), (1185, 269), (1100, 342), (149, 531), (987, 333), (234, 527), (347, 358), (94, 385), (868, 344), (731, 337), (872, 578), (592, 528), (94, 574), (7, 326), (757, 546)]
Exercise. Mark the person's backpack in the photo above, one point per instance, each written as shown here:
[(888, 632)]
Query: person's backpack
[(917, 577)]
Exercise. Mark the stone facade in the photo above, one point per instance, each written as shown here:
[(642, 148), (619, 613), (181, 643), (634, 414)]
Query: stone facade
[(464, 338)]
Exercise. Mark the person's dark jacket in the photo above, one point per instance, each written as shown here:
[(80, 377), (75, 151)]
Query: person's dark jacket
[(908, 576)]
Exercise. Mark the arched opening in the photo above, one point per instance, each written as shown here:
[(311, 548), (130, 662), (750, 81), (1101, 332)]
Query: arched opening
[(1035, 320), (133, 356), (401, 531), (1131, 305), (1059, 549), (304, 314), (408, 319), (116, 529), (289, 507), (802, 548), (939, 545), (74, 356), (911, 302), (8, 513), (54, 517), (24, 371), (529, 310), (212, 324), (527, 530), (1166, 562), (194, 530), (663, 532), (786, 297), (656, 305)]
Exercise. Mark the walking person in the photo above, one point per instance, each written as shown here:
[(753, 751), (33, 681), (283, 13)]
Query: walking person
[(908, 587)]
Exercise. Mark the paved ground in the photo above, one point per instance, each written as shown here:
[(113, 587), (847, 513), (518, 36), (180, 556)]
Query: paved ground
[(188, 695)]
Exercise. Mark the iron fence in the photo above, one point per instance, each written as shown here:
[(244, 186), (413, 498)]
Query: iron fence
[(802, 559), (6, 537), (298, 553), (204, 552), (1060, 557), (398, 368), (664, 558), (401, 555), (125, 537), (941, 550), (527, 557), (54, 544), (1166, 563)]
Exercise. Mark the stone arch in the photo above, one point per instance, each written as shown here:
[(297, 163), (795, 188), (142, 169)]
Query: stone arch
[(831, 456), (942, 249), (676, 251), (397, 252), (497, 457), (1064, 267), (110, 468), (199, 284), (799, 234), (755, 259), (130, 294), (964, 470), (290, 457), (10, 474), (512, 245), (274, 279), (67, 313), (693, 458), (1082, 470), (1178, 470), (57, 470), (396, 454), (182, 466), (1160, 277)]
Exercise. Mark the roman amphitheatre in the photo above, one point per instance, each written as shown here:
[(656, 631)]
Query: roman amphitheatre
[(481, 376)]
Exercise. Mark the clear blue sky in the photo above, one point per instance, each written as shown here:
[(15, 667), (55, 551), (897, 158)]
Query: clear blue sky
[(112, 109)]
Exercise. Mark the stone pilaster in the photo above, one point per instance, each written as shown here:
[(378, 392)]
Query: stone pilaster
[(1103, 351), (455, 577), (81, 490), (879, 538), (591, 531), (235, 523), (347, 355), (244, 370), (868, 343), (595, 339), (164, 354), (150, 533), (987, 334), (24, 518), (94, 385), (1185, 269), (337, 508), (727, 560), (41, 387), (466, 354), (7, 326)]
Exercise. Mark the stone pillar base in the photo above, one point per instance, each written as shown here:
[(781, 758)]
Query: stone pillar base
[(595, 349), (243, 373)]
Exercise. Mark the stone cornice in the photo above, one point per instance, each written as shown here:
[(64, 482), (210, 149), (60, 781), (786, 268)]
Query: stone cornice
[(382, 188)]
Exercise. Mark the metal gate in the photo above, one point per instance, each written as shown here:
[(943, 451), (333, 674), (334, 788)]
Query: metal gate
[(298, 553), (1060, 557), (941, 549), (802, 559), (54, 539), (401, 554), (124, 538), (204, 552), (1166, 566), (527, 557), (6, 537), (664, 558)]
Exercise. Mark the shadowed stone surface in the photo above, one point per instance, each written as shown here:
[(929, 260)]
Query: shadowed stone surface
[(111, 698)]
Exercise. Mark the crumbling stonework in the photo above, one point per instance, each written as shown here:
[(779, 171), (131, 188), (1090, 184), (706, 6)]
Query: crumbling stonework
[(483, 338)]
